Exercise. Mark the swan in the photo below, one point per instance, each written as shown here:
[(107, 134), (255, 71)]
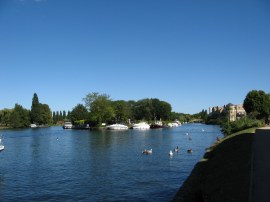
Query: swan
[(176, 149), (189, 150), (170, 153), (147, 151)]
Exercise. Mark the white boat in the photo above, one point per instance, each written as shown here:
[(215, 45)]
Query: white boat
[(141, 126), (173, 124), (33, 125), (117, 127), (2, 147), (67, 125)]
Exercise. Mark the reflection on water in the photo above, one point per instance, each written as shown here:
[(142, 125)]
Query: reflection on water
[(56, 164)]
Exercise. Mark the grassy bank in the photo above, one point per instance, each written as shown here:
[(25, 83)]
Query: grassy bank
[(224, 172)]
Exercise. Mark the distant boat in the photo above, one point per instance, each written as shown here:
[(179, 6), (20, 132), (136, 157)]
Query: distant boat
[(173, 124), (157, 124), (67, 125), (117, 127), (2, 147), (141, 126), (33, 125)]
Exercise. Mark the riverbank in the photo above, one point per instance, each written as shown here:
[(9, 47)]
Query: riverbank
[(223, 174)]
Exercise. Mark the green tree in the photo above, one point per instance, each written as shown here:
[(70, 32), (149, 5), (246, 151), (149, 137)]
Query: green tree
[(19, 117), (5, 116), (54, 117), (100, 107), (35, 110), (150, 109), (257, 103), (122, 110), (64, 115), (161, 109), (79, 112), (61, 116), (143, 109), (57, 116), (45, 114)]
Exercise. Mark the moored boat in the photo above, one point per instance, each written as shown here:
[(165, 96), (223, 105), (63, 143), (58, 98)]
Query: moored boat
[(67, 125), (141, 126), (33, 125), (117, 127), (157, 124)]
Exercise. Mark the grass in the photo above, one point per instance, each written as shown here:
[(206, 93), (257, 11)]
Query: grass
[(224, 172)]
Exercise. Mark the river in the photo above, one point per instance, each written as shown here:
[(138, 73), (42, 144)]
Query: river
[(52, 164)]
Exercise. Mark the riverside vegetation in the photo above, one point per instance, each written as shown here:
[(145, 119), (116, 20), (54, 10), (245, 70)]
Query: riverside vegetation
[(97, 109), (100, 108)]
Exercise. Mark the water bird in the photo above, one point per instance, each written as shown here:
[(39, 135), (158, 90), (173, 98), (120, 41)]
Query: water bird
[(170, 153), (189, 150), (147, 151), (176, 149), (189, 138), (186, 133)]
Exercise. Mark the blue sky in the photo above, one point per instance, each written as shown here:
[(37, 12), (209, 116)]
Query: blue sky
[(192, 54)]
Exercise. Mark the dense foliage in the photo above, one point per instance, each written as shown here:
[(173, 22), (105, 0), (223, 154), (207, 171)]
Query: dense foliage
[(257, 104), (40, 113), (79, 112), (240, 124), (19, 117), (35, 110)]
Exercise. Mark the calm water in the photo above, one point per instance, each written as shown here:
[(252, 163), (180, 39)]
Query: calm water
[(52, 164)]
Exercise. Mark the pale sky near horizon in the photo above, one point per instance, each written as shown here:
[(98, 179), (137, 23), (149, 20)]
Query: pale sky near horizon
[(191, 53)]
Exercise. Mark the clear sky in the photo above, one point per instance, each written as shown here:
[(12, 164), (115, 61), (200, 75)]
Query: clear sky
[(192, 54)]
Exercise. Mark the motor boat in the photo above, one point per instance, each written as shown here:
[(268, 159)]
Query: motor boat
[(157, 124), (33, 125), (141, 126), (117, 127), (67, 125)]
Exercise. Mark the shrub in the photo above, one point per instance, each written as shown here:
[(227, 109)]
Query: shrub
[(240, 124)]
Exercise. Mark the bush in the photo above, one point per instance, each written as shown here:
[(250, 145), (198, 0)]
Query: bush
[(240, 124)]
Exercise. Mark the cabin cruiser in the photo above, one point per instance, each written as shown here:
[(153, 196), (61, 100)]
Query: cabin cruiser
[(33, 125), (67, 125), (157, 124), (141, 126), (117, 127)]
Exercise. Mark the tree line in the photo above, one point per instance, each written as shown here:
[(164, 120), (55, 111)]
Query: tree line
[(97, 109), (19, 117), (100, 108)]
